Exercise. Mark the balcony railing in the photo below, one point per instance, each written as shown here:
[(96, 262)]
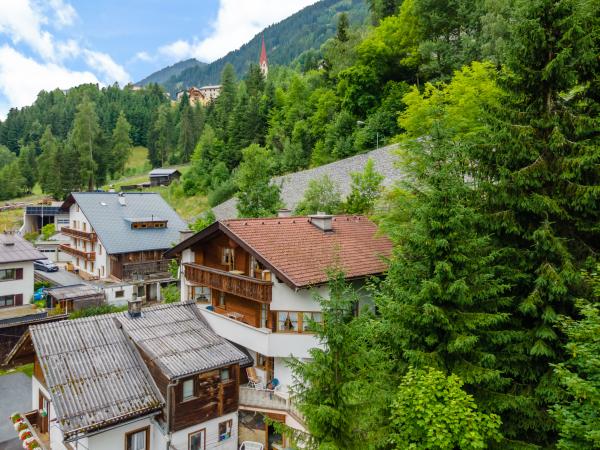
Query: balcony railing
[(147, 269), (89, 256), (240, 285), (268, 399), (86, 235)]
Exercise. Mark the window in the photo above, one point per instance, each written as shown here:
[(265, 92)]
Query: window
[(297, 322), (138, 439), (287, 321), (224, 375), (222, 299), (188, 389), (225, 430), (228, 257), (197, 440), (308, 317), (99, 249), (7, 300), (119, 294), (200, 294), (8, 274)]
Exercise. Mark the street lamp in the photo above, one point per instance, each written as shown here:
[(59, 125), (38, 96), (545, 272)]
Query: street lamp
[(361, 123)]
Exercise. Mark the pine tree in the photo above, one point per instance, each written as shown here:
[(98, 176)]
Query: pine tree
[(121, 144), (187, 133), (257, 196), (83, 138), (537, 168), (342, 27), (225, 102), (50, 169)]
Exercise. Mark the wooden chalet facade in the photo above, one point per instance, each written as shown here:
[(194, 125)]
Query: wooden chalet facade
[(257, 278)]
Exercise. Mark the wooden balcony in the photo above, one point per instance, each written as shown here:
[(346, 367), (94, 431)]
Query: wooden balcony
[(88, 256), (240, 285), (86, 235), (147, 269)]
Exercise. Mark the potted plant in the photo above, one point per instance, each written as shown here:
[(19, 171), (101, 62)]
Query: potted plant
[(20, 425), (14, 417), (25, 434)]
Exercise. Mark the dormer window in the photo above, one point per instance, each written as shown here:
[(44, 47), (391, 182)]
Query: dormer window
[(147, 223)]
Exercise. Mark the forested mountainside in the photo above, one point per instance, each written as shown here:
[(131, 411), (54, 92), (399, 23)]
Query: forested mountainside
[(300, 35), (162, 76)]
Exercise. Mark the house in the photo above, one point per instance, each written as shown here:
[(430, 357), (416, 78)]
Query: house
[(145, 379), (16, 270), (121, 237), (257, 279), (210, 93), (294, 185), (163, 177), (75, 297)]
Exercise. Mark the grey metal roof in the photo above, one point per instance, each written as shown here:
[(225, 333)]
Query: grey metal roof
[(95, 377), (293, 185), (162, 172), (109, 220), (13, 248), (76, 291), (179, 340)]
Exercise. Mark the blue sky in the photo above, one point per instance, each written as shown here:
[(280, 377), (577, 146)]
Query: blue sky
[(45, 44)]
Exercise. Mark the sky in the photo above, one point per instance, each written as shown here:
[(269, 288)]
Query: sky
[(48, 44)]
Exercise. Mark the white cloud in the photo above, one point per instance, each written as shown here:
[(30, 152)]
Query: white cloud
[(143, 56), (64, 13), (237, 22), (21, 78), (104, 64), (22, 22)]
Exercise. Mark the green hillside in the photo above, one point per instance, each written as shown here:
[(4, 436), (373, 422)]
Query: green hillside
[(163, 75), (285, 41)]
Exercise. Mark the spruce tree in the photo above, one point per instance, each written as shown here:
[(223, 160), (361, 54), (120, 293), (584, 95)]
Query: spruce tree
[(537, 169), (121, 143), (187, 134), (50, 169), (28, 165), (83, 139)]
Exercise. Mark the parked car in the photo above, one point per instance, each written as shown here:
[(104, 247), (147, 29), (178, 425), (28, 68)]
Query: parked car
[(45, 265)]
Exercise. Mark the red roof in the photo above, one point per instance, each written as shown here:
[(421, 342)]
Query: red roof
[(263, 53), (302, 253)]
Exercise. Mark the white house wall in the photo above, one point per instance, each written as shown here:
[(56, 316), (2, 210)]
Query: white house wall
[(102, 261), (179, 439), (23, 286), (288, 299), (56, 436)]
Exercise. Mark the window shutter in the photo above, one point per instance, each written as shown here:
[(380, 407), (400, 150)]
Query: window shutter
[(19, 274), (19, 298)]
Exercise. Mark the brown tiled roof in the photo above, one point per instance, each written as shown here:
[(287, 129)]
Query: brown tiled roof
[(302, 253)]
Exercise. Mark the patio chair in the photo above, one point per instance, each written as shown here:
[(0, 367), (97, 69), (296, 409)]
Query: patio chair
[(254, 380), (249, 445)]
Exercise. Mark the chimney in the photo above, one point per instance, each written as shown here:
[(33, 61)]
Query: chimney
[(284, 212), (134, 306), (121, 199), (322, 221), (184, 234)]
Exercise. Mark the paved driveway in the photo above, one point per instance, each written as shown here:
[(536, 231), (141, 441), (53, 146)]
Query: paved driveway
[(15, 395)]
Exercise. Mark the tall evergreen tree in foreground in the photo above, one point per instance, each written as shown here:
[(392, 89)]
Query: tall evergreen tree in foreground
[(538, 169), (342, 391), (444, 302)]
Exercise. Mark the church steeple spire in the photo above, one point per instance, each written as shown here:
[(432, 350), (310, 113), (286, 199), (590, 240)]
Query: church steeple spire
[(262, 62)]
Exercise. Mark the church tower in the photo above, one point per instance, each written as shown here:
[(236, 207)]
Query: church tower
[(264, 67)]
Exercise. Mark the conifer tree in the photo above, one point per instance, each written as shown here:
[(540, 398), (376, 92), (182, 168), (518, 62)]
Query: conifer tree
[(343, 390), (28, 165), (121, 144), (84, 140), (187, 133), (537, 167), (50, 169)]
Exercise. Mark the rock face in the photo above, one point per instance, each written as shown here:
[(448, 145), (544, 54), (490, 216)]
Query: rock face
[(293, 185)]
